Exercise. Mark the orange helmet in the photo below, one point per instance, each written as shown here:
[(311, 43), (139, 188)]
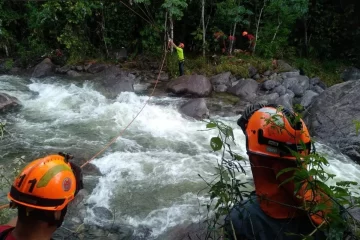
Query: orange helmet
[(47, 183), (181, 45), (270, 132), (245, 33)]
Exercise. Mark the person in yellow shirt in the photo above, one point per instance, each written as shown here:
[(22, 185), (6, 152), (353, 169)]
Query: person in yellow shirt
[(180, 53)]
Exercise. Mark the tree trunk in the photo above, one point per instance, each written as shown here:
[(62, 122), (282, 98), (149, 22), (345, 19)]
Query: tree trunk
[(166, 37), (306, 41), (6, 50), (232, 39), (277, 29), (103, 31), (203, 25), (171, 30), (258, 24)]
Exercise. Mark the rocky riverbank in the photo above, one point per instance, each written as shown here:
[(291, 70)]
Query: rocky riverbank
[(330, 113)]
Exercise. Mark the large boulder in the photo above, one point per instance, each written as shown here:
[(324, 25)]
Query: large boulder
[(245, 89), (113, 81), (195, 108), (8, 102), (44, 69), (331, 117), (308, 98), (350, 73), (95, 67), (221, 82), (194, 85)]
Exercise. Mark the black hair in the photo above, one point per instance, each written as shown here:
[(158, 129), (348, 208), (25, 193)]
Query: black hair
[(28, 215)]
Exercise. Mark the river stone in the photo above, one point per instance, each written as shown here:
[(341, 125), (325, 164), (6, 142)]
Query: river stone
[(350, 73), (195, 108), (270, 84), (281, 90), (221, 82), (291, 94), (8, 103), (308, 97), (73, 73), (317, 89), (285, 100), (113, 81), (96, 68), (267, 98), (245, 89), (252, 71), (267, 73), (103, 213), (284, 66), (195, 85), (43, 69), (289, 74), (331, 116), (91, 169), (63, 69)]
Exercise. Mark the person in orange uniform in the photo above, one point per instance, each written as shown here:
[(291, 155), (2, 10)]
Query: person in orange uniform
[(274, 209), (41, 194), (251, 39)]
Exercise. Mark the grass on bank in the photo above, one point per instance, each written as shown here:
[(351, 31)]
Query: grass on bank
[(328, 71)]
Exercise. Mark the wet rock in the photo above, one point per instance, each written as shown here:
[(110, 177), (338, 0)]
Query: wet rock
[(63, 70), (103, 213), (351, 73), (112, 81), (314, 81), (91, 169), (285, 100), (270, 84), (308, 98), (221, 82), (267, 99), (298, 85), (79, 68), (281, 90), (121, 54), (245, 89), (194, 85), (252, 71), (8, 103), (241, 106), (96, 68), (331, 116), (44, 69), (195, 108), (73, 73)]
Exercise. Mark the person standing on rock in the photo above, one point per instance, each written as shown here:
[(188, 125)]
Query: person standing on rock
[(276, 208), (41, 194), (251, 39), (180, 53)]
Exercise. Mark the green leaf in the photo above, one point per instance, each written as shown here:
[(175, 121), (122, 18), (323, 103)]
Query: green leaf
[(285, 170), (216, 143), (211, 125)]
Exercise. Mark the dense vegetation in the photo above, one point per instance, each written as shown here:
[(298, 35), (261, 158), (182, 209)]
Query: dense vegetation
[(322, 29)]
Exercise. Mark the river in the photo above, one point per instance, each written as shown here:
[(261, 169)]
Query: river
[(150, 175)]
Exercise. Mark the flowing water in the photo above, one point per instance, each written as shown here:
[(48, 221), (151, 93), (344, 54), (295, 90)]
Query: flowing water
[(150, 175)]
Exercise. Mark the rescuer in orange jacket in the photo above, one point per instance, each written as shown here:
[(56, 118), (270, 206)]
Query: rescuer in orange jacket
[(274, 209), (41, 194)]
